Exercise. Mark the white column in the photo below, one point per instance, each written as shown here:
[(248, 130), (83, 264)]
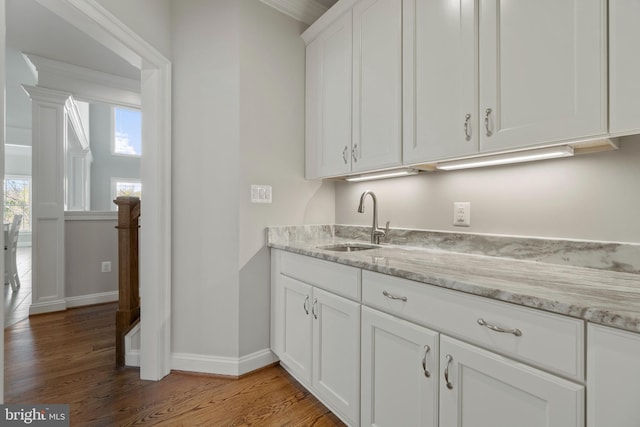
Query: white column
[(48, 170)]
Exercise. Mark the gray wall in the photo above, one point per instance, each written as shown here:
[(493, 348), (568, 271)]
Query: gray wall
[(592, 197), (238, 119), (89, 242), (105, 165)]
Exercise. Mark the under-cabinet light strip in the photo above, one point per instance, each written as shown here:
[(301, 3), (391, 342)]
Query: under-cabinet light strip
[(381, 175), (501, 159)]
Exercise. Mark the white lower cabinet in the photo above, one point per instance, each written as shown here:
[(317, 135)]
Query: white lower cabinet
[(391, 352), (482, 389), (316, 335), (613, 377), (399, 372)]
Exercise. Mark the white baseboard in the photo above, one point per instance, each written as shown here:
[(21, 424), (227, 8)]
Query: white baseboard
[(47, 307), (92, 299), (232, 366), (131, 353)]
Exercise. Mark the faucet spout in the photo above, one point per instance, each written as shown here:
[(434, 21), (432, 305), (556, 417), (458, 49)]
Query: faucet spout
[(376, 232)]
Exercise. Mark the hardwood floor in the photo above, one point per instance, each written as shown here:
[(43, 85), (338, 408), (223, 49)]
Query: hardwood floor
[(69, 357)]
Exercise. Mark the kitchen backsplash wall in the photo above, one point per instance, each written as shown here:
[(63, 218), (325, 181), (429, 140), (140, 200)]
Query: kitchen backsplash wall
[(589, 197)]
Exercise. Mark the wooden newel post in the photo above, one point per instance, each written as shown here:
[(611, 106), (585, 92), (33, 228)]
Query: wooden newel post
[(129, 297)]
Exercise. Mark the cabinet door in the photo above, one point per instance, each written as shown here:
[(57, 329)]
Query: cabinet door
[(399, 372), (624, 67), (295, 347), (542, 71), (377, 84), (440, 80), (328, 101), (481, 389), (613, 377), (336, 353)]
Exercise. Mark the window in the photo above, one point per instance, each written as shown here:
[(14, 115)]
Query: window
[(127, 132), (17, 199), (125, 187)]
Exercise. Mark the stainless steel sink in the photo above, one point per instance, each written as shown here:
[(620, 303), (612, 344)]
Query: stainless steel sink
[(348, 247)]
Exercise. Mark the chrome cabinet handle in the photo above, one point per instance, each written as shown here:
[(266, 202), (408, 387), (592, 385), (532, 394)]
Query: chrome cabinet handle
[(446, 372), (487, 113), (391, 296), (516, 332), (467, 126), (313, 308), (354, 153), (344, 154), (424, 361), (306, 305)]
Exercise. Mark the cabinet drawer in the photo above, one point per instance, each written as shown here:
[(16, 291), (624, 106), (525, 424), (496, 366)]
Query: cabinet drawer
[(549, 341), (337, 278)]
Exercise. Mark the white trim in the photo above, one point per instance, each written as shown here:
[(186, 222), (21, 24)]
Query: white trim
[(219, 365), (47, 306), (90, 216), (92, 299), (132, 355), (85, 83), (328, 18), (307, 11), (76, 124), (155, 236)]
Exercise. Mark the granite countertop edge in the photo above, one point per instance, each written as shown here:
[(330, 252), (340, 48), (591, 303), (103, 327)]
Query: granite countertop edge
[(602, 297)]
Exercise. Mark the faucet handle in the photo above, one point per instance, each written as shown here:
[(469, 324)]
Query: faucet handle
[(386, 228)]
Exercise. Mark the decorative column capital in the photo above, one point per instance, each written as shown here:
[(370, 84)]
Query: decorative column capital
[(43, 94)]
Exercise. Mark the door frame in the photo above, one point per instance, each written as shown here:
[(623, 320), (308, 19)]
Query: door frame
[(155, 171)]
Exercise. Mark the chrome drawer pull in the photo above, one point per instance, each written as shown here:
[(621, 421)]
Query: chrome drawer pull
[(446, 372), (516, 332), (391, 296), (424, 361), (467, 133), (487, 113), (314, 307), (306, 305)]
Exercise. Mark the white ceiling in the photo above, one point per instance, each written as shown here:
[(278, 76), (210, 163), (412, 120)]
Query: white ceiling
[(31, 28)]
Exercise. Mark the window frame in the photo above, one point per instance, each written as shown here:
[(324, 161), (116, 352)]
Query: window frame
[(114, 185)]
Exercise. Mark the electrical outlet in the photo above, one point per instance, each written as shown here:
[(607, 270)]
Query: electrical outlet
[(106, 266), (462, 214)]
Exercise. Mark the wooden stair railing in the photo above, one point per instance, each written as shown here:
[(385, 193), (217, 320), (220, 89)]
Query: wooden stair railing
[(128, 285)]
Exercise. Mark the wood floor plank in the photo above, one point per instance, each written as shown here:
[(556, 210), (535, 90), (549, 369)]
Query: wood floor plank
[(69, 357)]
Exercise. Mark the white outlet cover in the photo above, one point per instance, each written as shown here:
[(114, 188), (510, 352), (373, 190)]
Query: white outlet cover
[(462, 214)]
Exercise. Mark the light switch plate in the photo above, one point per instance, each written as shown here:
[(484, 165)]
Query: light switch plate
[(261, 194)]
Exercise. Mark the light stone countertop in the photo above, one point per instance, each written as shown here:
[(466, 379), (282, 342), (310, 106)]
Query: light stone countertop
[(605, 297)]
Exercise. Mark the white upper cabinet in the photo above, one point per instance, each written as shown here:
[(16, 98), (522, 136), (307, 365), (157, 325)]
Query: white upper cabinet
[(328, 100), (354, 90), (542, 72), (624, 67), (440, 81), (498, 75), (377, 84)]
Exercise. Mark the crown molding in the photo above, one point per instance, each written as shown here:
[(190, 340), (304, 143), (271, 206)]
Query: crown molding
[(85, 83), (307, 11)]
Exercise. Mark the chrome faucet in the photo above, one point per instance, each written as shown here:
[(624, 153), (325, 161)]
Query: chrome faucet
[(376, 232)]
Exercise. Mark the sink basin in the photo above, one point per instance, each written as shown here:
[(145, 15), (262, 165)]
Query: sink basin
[(348, 247)]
